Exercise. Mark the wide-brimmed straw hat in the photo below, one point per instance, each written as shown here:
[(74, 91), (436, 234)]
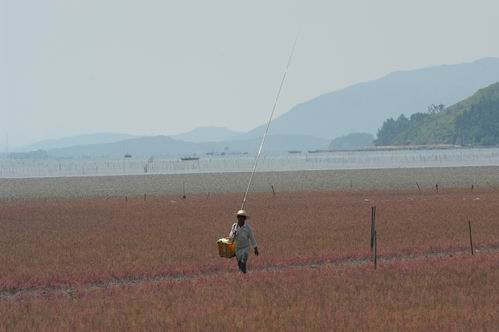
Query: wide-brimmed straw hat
[(242, 213)]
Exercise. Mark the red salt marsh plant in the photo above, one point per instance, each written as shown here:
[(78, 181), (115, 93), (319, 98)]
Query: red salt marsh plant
[(456, 293), (76, 241)]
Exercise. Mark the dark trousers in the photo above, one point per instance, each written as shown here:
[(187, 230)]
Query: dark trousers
[(242, 266)]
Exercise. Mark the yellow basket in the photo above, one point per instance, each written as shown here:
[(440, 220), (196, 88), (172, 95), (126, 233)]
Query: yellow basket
[(226, 248)]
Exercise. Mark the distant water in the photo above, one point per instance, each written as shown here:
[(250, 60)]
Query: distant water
[(215, 164)]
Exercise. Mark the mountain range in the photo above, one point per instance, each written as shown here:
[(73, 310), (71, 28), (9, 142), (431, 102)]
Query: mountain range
[(363, 107), (98, 138), (208, 134), (310, 125), (167, 146)]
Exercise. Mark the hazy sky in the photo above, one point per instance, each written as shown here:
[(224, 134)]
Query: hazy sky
[(70, 67)]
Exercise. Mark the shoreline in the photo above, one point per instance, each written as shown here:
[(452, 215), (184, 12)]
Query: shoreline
[(234, 182)]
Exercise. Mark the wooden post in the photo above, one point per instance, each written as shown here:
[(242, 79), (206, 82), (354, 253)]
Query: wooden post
[(373, 227), (183, 190), (471, 237), (273, 190), (419, 188), (436, 187), (375, 250), (372, 232)]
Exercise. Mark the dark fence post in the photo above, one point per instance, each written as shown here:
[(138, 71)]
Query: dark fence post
[(373, 227), (372, 233), (471, 238)]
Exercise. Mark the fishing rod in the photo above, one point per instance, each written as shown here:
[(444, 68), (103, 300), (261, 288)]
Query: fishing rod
[(270, 120)]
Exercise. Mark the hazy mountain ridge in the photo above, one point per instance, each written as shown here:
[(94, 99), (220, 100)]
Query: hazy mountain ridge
[(363, 107), (97, 138), (310, 125), (352, 141), (208, 134), (197, 135), (167, 146)]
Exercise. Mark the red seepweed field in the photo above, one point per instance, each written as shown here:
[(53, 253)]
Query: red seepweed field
[(452, 294), (113, 263)]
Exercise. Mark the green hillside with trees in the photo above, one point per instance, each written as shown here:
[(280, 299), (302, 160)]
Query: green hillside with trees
[(473, 121)]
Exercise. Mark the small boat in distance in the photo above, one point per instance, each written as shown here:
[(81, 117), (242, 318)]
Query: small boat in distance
[(189, 158), (294, 151)]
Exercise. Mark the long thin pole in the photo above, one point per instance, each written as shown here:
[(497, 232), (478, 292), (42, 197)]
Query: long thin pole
[(268, 124)]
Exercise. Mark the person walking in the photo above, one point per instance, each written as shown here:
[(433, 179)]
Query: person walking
[(242, 234)]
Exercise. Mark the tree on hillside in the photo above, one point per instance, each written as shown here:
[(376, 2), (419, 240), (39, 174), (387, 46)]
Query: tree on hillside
[(401, 131), (479, 125), (406, 131), (387, 132), (433, 109)]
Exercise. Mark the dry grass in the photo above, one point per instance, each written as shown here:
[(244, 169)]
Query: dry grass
[(79, 241), (69, 242), (457, 294)]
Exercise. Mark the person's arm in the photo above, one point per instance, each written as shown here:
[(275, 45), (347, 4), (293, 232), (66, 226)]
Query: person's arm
[(253, 241), (232, 233)]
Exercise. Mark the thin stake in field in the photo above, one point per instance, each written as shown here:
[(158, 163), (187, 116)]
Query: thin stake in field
[(471, 237), (419, 188), (375, 250), (373, 228), (183, 191), (273, 190)]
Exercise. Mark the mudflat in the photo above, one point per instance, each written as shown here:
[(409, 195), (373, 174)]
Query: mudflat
[(293, 181)]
